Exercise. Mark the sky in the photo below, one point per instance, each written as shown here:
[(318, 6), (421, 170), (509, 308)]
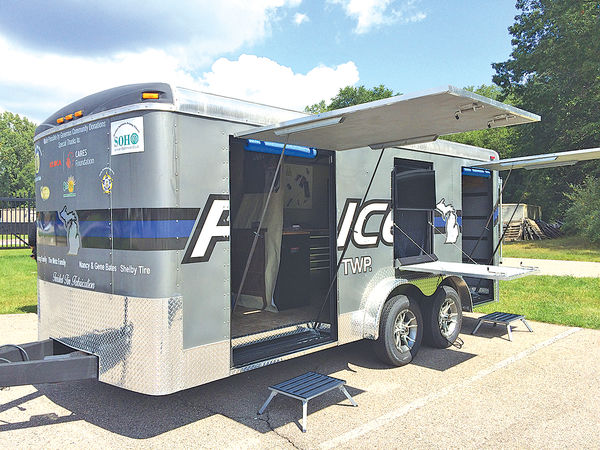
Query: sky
[(288, 53)]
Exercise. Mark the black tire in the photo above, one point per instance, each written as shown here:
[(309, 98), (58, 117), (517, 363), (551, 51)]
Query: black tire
[(441, 328), (399, 308)]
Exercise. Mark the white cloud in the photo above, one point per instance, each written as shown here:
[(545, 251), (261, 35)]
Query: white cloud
[(39, 83), (196, 31), (300, 18), (370, 14), (264, 80)]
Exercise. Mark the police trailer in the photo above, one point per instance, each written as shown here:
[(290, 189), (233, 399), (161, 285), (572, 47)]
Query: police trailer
[(184, 237)]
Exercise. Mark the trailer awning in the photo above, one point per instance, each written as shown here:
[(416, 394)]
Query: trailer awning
[(544, 161), (402, 120), (469, 270)]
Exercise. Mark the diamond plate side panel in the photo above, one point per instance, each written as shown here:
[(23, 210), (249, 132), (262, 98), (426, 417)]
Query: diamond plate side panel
[(205, 363), (350, 326), (139, 341)]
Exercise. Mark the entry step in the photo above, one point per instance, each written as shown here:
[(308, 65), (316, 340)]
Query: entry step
[(306, 387), (502, 318)]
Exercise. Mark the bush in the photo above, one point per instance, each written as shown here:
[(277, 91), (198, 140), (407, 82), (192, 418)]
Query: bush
[(583, 216)]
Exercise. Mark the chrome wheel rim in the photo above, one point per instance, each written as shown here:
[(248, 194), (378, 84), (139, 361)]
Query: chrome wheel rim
[(405, 330), (448, 317)]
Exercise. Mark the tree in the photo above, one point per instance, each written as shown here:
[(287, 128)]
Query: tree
[(554, 70), (583, 215), (16, 155), (349, 96)]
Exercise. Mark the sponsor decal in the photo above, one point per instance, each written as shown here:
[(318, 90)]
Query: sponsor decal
[(69, 187), (127, 136), (70, 160), (37, 158), (45, 192), (106, 180), (55, 163)]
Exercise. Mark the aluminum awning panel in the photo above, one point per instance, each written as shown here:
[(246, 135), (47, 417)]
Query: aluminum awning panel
[(401, 120), (545, 160), (470, 270)]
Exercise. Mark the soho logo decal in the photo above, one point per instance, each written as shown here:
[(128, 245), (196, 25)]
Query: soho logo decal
[(127, 136), (213, 227)]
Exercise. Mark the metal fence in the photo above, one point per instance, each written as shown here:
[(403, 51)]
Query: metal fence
[(17, 217)]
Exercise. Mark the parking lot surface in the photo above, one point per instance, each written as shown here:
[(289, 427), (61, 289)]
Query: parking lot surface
[(540, 390)]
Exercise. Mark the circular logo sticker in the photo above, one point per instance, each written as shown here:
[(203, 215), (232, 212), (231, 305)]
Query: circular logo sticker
[(45, 192), (134, 138), (37, 162), (107, 183)]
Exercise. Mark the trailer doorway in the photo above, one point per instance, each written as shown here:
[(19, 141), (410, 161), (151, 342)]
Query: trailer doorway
[(283, 293), (478, 221)]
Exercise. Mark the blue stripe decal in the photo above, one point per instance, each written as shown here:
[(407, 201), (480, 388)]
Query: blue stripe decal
[(439, 222), (150, 229)]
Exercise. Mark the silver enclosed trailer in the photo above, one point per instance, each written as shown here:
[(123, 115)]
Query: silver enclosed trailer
[(184, 237)]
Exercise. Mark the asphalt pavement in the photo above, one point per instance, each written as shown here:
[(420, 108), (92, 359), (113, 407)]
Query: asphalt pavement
[(542, 390)]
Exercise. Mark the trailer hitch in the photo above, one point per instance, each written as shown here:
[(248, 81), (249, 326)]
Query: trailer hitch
[(46, 361)]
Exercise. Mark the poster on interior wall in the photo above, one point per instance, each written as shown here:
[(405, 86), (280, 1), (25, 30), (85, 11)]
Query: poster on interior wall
[(298, 184)]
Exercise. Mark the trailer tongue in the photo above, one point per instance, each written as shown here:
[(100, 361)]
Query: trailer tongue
[(46, 361)]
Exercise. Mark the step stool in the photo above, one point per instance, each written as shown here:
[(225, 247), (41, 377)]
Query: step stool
[(306, 387), (502, 318)]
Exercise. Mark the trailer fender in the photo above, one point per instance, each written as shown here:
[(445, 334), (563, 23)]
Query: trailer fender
[(460, 286), (373, 305)]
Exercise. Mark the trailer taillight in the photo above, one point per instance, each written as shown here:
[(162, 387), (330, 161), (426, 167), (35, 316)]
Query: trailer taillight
[(150, 95)]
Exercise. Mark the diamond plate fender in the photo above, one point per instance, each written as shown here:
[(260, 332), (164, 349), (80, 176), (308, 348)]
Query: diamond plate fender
[(373, 302)]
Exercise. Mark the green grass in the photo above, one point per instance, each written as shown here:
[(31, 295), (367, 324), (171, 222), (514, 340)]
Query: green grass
[(569, 248), (18, 287), (561, 300)]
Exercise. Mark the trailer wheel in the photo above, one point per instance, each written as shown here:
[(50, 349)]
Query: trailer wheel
[(443, 318), (400, 331)]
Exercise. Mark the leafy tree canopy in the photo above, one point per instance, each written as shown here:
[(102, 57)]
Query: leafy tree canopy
[(349, 96), (554, 70), (16, 155)]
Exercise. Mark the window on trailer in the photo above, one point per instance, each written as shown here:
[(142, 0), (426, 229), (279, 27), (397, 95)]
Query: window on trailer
[(413, 191)]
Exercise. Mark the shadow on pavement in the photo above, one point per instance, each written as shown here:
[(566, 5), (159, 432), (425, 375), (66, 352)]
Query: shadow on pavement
[(238, 397)]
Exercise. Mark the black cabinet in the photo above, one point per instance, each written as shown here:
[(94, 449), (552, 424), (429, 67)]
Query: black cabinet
[(293, 282)]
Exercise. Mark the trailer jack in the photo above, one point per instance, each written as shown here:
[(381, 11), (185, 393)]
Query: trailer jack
[(47, 361)]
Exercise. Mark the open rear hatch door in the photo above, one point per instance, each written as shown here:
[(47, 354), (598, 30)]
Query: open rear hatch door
[(487, 272), (544, 161), (394, 121)]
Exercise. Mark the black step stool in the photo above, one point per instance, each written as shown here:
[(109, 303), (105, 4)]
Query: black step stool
[(502, 318), (306, 387)]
